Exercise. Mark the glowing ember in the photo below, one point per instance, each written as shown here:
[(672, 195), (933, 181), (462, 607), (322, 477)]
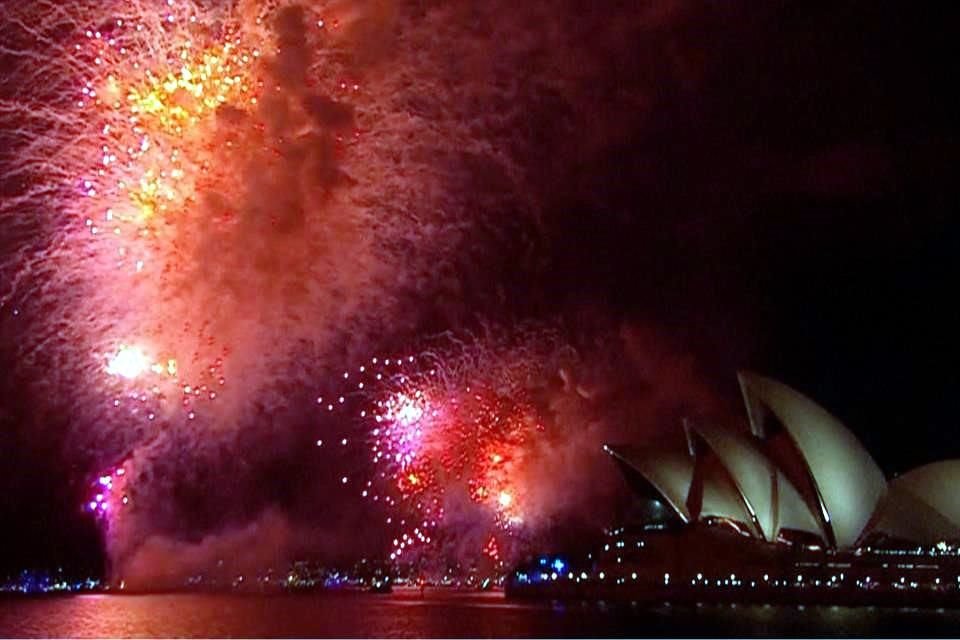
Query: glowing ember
[(129, 362)]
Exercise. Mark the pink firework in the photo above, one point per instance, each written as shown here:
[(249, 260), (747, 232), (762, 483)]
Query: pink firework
[(108, 494), (187, 220), (451, 439), (189, 161)]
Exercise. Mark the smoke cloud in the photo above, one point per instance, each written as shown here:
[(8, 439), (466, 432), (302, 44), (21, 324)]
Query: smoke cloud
[(246, 552), (399, 176)]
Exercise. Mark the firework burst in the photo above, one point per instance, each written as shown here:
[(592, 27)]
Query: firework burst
[(451, 435), (108, 493), (216, 204), (184, 220)]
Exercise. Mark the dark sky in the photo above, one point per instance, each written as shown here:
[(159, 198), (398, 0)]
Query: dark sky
[(810, 231), (788, 206)]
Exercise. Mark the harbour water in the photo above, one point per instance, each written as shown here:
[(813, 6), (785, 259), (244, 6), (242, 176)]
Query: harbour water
[(440, 614)]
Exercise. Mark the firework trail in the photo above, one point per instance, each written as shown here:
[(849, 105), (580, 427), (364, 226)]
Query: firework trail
[(181, 221), (211, 206), (177, 275)]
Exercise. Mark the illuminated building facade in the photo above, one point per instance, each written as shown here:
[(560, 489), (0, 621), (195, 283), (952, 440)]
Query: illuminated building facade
[(798, 475), (793, 508)]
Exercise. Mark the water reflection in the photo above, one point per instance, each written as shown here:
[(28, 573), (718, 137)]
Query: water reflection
[(445, 615)]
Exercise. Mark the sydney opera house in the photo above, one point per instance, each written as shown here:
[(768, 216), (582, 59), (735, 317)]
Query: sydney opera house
[(791, 507)]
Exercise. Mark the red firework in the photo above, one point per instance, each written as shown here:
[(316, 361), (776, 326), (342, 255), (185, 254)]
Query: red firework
[(436, 435)]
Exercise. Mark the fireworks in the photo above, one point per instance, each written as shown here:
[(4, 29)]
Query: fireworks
[(215, 208), (128, 362), (108, 494), (183, 174), (430, 440), (155, 120), (188, 160), (451, 437)]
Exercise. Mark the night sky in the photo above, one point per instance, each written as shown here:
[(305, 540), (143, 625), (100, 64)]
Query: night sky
[(769, 185)]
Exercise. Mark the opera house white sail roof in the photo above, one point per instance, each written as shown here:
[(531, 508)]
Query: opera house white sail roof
[(922, 505), (768, 495), (798, 469)]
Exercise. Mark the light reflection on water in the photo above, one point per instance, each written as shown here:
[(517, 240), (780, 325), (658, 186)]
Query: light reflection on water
[(438, 615)]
